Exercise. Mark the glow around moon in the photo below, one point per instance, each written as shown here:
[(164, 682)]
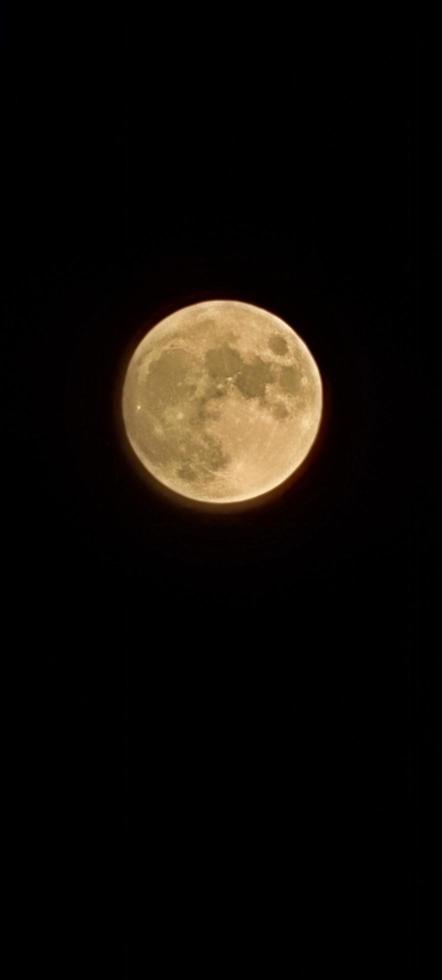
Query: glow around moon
[(221, 401)]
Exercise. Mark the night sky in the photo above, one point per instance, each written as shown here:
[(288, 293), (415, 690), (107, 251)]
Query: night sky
[(216, 715)]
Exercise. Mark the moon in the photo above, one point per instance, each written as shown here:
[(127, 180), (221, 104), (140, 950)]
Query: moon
[(221, 401)]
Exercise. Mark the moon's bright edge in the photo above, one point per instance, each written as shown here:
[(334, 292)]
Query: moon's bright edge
[(221, 401)]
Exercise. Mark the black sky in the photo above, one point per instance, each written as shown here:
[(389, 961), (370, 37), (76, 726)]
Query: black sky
[(222, 744)]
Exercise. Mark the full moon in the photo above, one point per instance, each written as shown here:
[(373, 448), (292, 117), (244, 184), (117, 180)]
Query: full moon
[(221, 401)]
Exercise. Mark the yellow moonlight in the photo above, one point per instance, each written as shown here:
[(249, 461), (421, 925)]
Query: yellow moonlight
[(222, 401)]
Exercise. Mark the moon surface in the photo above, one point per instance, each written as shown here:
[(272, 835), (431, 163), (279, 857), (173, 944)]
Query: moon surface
[(221, 401)]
